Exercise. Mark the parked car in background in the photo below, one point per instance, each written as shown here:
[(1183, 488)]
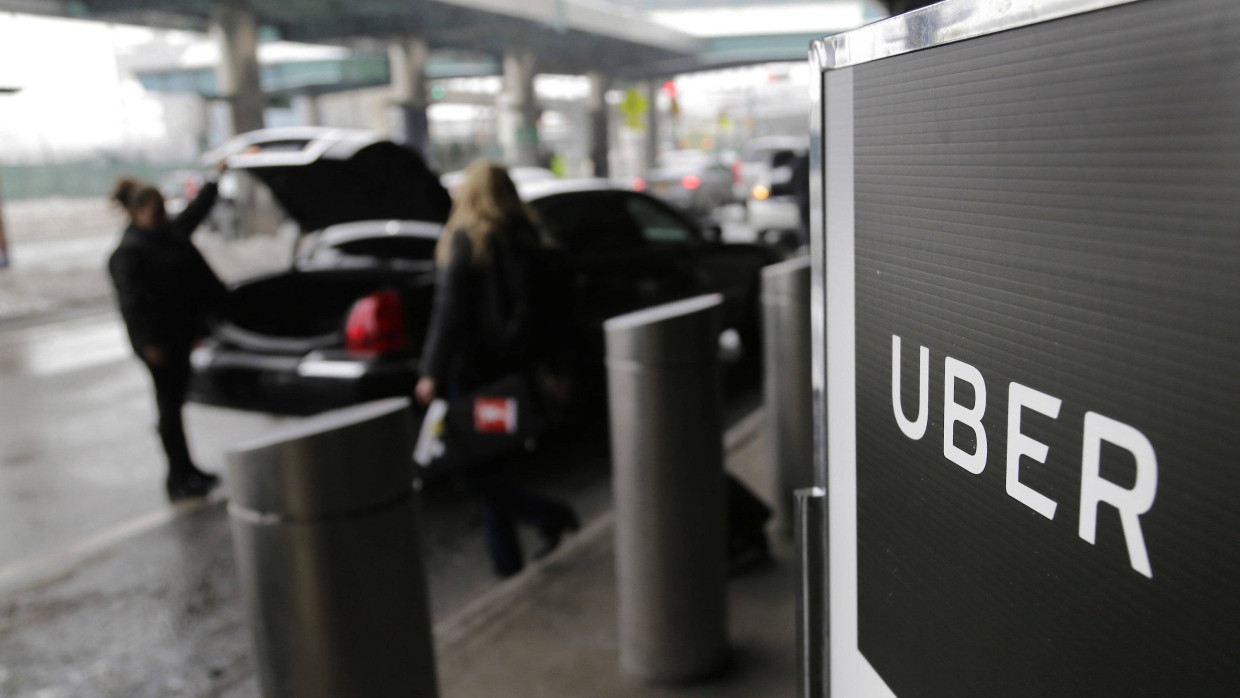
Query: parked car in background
[(628, 251), (346, 323), (694, 181), (764, 175)]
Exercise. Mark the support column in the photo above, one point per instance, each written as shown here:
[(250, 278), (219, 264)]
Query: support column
[(4, 241), (407, 59), (234, 28), (599, 131), (518, 114), (650, 150)]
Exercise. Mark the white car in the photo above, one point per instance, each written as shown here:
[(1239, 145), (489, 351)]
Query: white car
[(764, 173)]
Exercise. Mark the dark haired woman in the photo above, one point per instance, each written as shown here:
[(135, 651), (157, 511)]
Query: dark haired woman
[(166, 293), (483, 328)]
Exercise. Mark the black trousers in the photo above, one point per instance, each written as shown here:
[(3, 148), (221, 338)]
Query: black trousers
[(505, 503), (171, 379)]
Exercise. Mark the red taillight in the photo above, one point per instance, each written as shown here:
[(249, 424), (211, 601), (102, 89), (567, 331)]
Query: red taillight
[(690, 182), (736, 172), (377, 325), (639, 184)]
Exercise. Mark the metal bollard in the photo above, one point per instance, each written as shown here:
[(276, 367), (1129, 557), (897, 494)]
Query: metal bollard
[(667, 471), (325, 529), (789, 395)]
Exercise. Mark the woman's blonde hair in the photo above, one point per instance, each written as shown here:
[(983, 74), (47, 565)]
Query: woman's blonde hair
[(486, 200)]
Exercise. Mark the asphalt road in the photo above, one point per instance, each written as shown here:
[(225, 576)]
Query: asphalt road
[(105, 589)]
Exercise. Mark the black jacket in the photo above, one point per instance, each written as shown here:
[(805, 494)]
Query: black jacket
[(507, 313), (164, 287)]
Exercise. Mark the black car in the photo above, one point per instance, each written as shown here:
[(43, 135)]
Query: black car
[(346, 323)]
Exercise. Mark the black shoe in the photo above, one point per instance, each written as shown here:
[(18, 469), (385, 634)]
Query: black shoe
[(568, 523), (192, 485)]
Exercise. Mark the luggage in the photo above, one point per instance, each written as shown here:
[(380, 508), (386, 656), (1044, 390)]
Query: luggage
[(501, 418)]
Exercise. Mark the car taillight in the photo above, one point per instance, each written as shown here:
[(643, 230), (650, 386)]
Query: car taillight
[(736, 172), (690, 182), (376, 325), (639, 184)]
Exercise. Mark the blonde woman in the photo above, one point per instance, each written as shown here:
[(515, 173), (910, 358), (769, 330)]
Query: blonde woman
[(486, 325)]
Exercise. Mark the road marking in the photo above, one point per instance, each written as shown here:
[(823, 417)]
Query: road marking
[(48, 565), (92, 347), (69, 346), (87, 252)]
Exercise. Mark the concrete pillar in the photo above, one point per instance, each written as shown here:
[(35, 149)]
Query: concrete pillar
[(651, 149), (4, 241), (234, 28), (518, 113), (307, 107), (600, 132), (407, 58)]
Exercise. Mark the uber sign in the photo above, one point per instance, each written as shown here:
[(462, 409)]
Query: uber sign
[(1029, 349)]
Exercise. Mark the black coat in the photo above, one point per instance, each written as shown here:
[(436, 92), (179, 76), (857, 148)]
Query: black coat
[(164, 287), (507, 313)]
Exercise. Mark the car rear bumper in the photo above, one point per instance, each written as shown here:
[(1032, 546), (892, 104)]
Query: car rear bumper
[(295, 384)]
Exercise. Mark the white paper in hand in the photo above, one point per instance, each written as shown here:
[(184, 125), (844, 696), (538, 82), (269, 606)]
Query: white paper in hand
[(430, 438)]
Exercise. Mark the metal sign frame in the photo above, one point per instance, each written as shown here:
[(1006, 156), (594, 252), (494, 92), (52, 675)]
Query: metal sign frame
[(833, 649)]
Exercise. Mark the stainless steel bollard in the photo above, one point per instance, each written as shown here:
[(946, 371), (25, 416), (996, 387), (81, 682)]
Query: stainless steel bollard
[(325, 528), (789, 395), (667, 471)]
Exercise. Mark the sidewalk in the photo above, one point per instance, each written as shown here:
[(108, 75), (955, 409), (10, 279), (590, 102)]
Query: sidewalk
[(552, 631), (155, 612)]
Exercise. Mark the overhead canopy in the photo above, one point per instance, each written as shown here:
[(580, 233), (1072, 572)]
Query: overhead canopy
[(569, 36)]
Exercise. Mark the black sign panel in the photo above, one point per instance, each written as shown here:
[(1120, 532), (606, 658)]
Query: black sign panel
[(1047, 280)]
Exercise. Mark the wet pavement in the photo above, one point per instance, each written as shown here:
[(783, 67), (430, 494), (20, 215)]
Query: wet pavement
[(78, 450), (105, 589)]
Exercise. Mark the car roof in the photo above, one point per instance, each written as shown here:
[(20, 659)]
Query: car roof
[(541, 189)]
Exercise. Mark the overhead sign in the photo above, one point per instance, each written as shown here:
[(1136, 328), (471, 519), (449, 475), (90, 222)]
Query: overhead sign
[(634, 107), (1028, 352)]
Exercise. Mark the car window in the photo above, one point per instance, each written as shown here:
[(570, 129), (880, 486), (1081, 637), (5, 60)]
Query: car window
[(657, 224), (589, 221)]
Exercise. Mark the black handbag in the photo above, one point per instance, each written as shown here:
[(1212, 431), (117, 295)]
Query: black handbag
[(498, 419)]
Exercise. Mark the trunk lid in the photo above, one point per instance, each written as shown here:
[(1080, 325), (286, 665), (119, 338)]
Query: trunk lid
[(323, 177)]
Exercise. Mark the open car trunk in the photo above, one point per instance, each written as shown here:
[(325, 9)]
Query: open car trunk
[(296, 312)]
